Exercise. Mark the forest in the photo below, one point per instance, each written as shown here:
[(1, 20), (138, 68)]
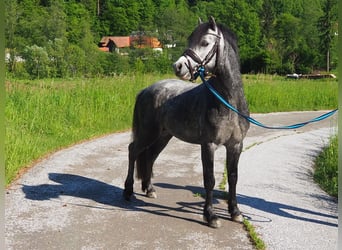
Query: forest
[(59, 38)]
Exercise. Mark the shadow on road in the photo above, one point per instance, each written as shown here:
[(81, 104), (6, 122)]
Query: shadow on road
[(105, 194), (286, 211)]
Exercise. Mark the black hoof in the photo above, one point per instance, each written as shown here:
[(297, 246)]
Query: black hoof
[(127, 194)]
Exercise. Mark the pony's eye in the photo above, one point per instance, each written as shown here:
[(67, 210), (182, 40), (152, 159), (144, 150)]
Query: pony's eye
[(204, 43)]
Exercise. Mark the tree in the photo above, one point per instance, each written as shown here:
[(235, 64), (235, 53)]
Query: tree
[(56, 52), (287, 34), (36, 61), (31, 23), (267, 18), (146, 15), (55, 25), (273, 35), (11, 20), (327, 27), (242, 18), (75, 59)]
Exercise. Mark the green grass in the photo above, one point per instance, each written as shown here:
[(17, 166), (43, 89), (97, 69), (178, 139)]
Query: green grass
[(43, 116), (266, 93), (326, 168), (46, 115), (257, 241)]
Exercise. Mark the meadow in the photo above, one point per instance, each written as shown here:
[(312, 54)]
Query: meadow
[(43, 116)]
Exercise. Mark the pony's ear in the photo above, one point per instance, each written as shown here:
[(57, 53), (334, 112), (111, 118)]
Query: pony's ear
[(200, 21), (212, 23)]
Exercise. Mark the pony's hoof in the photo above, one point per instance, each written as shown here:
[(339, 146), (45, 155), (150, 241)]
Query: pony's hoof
[(127, 195), (237, 218), (213, 223), (151, 194)]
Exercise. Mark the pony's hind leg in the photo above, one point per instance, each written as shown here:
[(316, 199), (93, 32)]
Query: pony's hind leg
[(132, 155), (144, 169), (145, 163)]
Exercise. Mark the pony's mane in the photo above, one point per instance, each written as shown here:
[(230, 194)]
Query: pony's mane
[(229, 36)]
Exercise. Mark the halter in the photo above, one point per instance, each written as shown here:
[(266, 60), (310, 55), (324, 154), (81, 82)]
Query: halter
[(200, 63)]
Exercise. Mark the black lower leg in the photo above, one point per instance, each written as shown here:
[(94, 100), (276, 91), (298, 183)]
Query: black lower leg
[(232, 202), (208, 213), (207, 152), (233, 155), (128, 191)]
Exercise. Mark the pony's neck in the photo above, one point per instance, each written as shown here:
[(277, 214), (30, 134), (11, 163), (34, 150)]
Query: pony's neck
[(227, 80), (228, 77)]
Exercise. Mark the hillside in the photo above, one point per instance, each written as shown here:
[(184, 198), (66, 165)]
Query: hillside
[(282, 36)]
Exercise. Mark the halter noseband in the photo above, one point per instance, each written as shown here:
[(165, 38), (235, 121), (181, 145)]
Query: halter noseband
[(200, 63)]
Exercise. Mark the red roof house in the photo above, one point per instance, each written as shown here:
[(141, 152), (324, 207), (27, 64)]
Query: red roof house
[(114, 43)]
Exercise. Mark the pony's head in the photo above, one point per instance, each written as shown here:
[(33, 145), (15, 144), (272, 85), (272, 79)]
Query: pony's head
[(204, 43), (211, 46)]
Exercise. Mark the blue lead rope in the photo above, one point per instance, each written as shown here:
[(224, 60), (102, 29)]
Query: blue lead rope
[(201, 73)]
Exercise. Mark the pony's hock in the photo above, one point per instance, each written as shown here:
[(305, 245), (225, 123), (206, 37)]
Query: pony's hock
[(191, 113)]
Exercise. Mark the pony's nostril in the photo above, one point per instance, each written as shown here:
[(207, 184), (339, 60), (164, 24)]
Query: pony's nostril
[(177, 67)]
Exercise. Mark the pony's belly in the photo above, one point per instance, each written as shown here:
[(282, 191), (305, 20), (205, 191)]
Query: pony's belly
[(185, 131), (201, 132)]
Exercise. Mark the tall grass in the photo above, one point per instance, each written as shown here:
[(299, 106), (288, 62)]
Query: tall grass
[(326, 168), (266, 93), (45, 115)]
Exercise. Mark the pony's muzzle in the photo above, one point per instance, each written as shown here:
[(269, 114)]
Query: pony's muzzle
[(181, 68), (177, 67)]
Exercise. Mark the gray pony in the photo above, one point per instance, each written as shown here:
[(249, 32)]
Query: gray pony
[(191, 113)]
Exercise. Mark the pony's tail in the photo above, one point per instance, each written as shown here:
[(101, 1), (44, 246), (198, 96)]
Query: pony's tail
[(136, 116), (143, 171)]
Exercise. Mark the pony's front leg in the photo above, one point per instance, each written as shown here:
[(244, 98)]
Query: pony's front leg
[(207, 153), (233, 155)]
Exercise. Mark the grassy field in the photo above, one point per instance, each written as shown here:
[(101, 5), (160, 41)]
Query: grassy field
[(43, 116), (267, 93)]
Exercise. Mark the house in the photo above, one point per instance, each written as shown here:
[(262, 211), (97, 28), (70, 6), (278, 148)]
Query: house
[(145, 42), (115, 43)]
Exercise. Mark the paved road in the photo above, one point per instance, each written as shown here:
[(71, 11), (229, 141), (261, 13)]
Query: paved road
[(72, 199)]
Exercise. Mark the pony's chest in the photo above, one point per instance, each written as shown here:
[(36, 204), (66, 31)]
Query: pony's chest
[(222, 127)]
